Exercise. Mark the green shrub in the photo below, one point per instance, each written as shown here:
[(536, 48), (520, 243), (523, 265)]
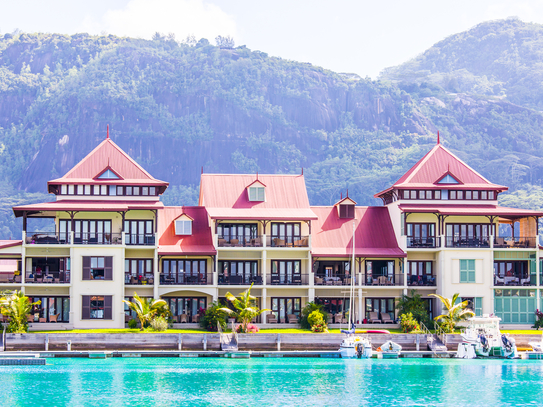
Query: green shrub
[(132, 324), (408, 323), (308, 309), (212, 316), (316, 320), (159, 324)]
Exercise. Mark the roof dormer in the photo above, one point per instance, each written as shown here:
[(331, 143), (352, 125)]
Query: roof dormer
[(345, 208), (107, 174), (256, 191), (183, 225), (448, 179)]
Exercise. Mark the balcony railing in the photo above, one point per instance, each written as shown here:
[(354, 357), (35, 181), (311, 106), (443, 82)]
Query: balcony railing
[(287, 279), (97, 238), (424, 280), (146, 279), (423, 242), (288, 241), (241, 242), (183, 279), (465, 241), (515, 280), (510, 242), (140, 240), (59, 277), (239, 280), (388, 280), (333, 280), (48, 238)]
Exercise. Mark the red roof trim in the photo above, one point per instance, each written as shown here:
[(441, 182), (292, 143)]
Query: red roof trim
[(345, 199), (257, 181), (184, 214)]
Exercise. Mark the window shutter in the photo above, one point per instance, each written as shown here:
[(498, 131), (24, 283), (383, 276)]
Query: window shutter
[(85, 307), (188, 227), (463, 271), (402, 221), (86, 267), (350, 211), (342, 211), (471, 271), (108, 314), (108, 269), (252, 194), (478, 306), (261, 196)]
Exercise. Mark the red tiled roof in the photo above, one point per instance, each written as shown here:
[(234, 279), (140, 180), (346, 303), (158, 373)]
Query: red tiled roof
[(108, 155), (199, 243), (92, 206), (475, 210), (225, 197), (4, 244), (374, 234), (434, 165)]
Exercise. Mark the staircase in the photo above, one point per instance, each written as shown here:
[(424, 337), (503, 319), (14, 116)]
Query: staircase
[(434, 340), (229, 342)]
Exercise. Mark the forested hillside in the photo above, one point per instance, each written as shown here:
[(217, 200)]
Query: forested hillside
[(177, 107)]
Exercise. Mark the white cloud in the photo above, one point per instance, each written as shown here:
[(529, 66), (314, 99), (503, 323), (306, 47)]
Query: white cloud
[(142, 18)]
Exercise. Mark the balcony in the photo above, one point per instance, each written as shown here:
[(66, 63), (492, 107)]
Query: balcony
[(48, 238), (426, 280), (241, 242), (287, 279), (288, 241), (383, 280), (467, 241), (340, 279), (423, 242), (239, 280), (52, 277), (514, 280), (510, 242), (139, 239), (183, 279), (97, 238), (146, 279)]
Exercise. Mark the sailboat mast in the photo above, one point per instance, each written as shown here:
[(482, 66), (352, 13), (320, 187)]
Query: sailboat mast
[(351, 299)]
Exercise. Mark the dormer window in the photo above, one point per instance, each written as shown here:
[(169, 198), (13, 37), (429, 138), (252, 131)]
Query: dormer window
[(183, 225), (346, 211), (108, 174), (256, 191), (448, 179)]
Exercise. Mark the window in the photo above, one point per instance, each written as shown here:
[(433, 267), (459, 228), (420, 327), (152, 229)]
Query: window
[(475, 304), (346, 211), (257, 194), (515, 306), (285, 308), (421, 194), (87, 189), (139, 232), (421, 235), (96, 307), (238, 272), (183, 227), (283, 234), (381, 306), (244, 233), (108, 174), (447, 179), (420, 273), (128, 191), (187, 306), (51, 308), (286, 272), (184, 272), (468, 234), (87, 231), (71, 189), (467, 271), (335, 306), (145, 191), (103, 189), (97, 268), (112, 190), (138, 270), (64, 189)]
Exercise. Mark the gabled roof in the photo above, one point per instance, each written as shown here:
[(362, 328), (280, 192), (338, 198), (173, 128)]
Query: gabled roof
[(199, 243), (346, 201), (225, 197), (374, 234), (108, 155), (436, 164), (255, 183)]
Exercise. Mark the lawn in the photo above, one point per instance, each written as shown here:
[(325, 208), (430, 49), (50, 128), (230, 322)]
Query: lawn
[(193, 331)]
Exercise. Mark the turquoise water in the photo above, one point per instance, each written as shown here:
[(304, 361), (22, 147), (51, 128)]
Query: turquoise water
[(268, 382)]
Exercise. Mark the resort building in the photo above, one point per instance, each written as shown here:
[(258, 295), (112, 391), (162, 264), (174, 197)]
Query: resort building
[(108, 235)]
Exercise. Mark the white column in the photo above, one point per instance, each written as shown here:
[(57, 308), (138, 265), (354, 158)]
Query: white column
[(156, 280), (361, 315), (310, 294), (264, 304), (310, 275), (537, 276), (216, 271), (263, 266)]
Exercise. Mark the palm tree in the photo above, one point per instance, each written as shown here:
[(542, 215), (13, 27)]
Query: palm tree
[(146, 308), (17, 306), (245, 306), (455, 312)]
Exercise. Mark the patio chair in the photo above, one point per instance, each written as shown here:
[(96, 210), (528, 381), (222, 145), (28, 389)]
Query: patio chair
[(53, 318), (222, 243), (338, 318), (235, 242), (257, 242), (499, 281), (386, 318), (30, 318), (525, 281), (292, 319), (133, 280), (271, 319), (319, 281), (374, 318), (382, 280), (183, 318), (195, 318)]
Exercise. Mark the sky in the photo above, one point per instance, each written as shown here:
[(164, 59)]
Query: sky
[(351, 36)]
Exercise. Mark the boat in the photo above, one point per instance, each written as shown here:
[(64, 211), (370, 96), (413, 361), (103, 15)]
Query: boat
[(537, 346), (354, 346), (482, 338), (389, 350)]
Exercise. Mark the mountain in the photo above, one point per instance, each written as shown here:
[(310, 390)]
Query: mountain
[(177, 108)]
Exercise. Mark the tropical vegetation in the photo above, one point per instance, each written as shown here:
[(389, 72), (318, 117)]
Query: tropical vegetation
[(414, 304), (147, 309), (244, 309), (213, 316), (456, 311), (317, 322), (309, 308), (16, 306), (408, 323)]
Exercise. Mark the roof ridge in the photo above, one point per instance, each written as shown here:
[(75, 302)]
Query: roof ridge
[(421, 162)]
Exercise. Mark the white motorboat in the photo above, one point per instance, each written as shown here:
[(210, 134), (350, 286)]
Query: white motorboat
[(537, 346), (354, 346), (390, 350), (482, 338)]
